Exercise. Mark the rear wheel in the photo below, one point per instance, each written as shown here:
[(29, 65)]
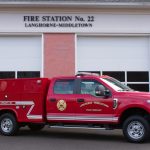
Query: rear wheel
[(136, 129), (8, 124), (36, 127)]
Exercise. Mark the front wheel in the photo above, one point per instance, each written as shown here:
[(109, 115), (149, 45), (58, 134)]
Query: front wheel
[(136, 129), (8, 124)]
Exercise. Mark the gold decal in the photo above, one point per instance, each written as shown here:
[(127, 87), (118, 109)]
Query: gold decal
[(61, 105), (85, 104), (102, 104), (96, 103), (93, 110)]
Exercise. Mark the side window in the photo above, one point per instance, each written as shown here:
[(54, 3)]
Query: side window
[(64, 87), (88, 86)]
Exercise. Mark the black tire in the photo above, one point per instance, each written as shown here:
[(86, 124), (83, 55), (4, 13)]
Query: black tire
[(8, 124), (136, 129), (36, 127)]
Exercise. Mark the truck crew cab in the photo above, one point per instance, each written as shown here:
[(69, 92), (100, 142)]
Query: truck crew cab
[(81, 101)]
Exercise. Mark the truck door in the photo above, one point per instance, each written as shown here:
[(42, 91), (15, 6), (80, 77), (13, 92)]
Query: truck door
[(92, 108), (61, 100)]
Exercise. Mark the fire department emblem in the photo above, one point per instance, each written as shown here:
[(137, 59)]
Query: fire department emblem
[(61, 105)]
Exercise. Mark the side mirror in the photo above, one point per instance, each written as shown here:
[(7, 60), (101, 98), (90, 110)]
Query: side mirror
[(101, 91), (107, 93)]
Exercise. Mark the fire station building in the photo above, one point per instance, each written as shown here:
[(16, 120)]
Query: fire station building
[(46, 38)]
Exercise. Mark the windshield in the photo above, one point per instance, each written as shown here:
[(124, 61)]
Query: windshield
[(116, 85)]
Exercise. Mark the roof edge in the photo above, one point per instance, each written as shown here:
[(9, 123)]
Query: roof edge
[(78, 4)]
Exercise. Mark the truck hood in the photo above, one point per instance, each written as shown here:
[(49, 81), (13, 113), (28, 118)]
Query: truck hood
[(136, 95)]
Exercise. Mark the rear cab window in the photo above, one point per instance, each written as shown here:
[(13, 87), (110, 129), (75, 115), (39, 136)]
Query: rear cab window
[(64, 86)]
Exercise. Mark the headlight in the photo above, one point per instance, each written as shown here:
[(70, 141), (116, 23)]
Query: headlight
[(148, 101)]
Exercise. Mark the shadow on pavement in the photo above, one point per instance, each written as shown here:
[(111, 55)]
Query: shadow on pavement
[(72, 134)]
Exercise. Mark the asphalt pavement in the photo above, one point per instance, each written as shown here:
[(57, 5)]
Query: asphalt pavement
[(69, 139)]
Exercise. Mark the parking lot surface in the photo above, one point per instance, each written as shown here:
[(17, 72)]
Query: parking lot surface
[(69, 139)]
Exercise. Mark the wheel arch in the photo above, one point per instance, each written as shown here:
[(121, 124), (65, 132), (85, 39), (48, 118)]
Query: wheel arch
[(133, 111), (4, 111)]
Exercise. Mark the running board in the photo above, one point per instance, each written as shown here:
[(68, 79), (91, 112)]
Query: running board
[(79, 127)]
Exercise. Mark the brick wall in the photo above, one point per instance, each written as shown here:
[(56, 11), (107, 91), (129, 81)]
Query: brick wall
[(59, 54)]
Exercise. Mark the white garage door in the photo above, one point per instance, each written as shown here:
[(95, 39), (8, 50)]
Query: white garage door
[(125, 58), (20, 56)]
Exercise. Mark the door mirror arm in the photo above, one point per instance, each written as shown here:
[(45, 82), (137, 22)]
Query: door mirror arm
[(101, 91), (107, 94)]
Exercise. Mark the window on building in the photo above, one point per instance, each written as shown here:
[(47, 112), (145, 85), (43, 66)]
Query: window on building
[(28, 74), (137, 76), (139, 87), (138, 80), (119, 75), (7, 74)]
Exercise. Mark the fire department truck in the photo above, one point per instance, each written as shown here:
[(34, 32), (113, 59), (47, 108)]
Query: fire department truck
[(81, 101)]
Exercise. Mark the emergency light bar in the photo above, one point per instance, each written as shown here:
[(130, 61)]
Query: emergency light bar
[(87, 74)]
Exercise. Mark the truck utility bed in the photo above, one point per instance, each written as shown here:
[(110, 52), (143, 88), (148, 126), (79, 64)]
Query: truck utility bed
[(22, 95)]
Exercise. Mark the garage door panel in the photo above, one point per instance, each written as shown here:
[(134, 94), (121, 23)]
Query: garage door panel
[(124, 57), (20, 53), (112, 53), (113, 66), (22, 64)]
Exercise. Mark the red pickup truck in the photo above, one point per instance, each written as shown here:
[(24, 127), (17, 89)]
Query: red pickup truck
[(81, 101)]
